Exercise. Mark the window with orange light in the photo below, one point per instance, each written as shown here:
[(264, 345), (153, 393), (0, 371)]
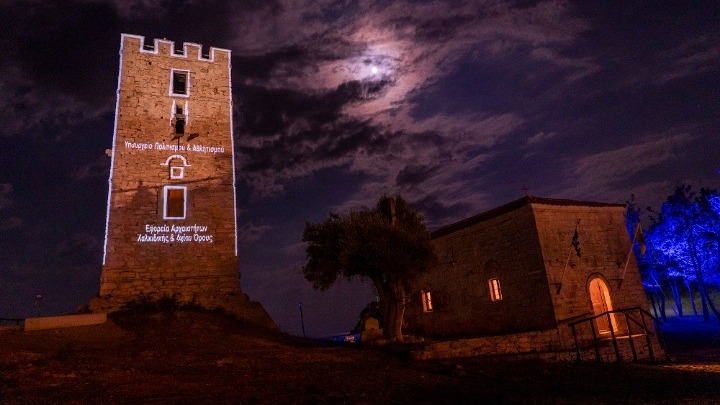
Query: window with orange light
[(427, 301), (495, 292)]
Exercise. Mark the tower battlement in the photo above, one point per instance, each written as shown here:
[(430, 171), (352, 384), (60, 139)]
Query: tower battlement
[(189, 50)]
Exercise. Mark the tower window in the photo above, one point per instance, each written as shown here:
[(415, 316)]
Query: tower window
[(177, 172), (175, 202), (179, 82), (495, 293), (427, 301), (180, 126)]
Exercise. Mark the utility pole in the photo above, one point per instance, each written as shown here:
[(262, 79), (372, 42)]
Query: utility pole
[(302, 320), (38, 302)]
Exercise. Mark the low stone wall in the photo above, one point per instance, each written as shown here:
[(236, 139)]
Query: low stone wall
[(532, 343), (53, 322), (607, 353), (543, 345)]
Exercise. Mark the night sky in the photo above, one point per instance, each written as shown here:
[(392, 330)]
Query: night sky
[(455, 105)]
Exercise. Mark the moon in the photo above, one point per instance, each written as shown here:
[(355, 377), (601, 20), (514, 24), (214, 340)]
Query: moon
[(374, 70)]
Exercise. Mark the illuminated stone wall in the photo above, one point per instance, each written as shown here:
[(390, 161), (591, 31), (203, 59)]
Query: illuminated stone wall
[(154, 249), (526, 245), (604, 245), (500, 244)]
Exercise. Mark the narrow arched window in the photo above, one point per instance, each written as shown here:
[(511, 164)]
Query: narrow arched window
[(495, 291), (426, 301)]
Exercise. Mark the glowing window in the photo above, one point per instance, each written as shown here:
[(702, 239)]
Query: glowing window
[(175, 202), (179, 83), (426, 301), (495, 293)]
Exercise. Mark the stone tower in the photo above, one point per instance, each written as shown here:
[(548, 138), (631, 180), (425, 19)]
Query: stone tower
[(171, 218)]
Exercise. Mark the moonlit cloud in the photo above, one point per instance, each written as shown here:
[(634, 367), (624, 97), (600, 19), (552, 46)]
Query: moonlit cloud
[(605, 172)]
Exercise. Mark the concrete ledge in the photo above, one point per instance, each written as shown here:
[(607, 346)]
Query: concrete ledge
[(67, 321)]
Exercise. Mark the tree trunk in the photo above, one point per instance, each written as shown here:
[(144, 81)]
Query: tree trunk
[(383, 302), (662, 306), (652, 302), (698, 272), (710, 303), (396, 303), (703, 301), (691, 295), (390, 316), (676, 297)]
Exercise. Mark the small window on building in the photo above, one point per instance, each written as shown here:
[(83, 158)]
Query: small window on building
[(495, 293), (177, 172), (175, 202), (180, 80), (427, 301)]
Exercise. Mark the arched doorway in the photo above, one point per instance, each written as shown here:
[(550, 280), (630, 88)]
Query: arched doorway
[(600, 298)]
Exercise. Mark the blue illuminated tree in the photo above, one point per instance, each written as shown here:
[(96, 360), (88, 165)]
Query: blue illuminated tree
[(654, 266), (684, 242)]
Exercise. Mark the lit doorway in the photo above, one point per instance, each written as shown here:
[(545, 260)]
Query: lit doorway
[(600, 297)]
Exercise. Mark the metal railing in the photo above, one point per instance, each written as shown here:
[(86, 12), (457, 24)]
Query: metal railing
[(631, 318)]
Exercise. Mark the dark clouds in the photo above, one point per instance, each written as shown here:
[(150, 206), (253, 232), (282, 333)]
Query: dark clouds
[(456, 105)]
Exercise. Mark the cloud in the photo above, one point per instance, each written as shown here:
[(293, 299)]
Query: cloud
[(540, 138), (249, 232), (322, 89), (92, 170), (30, 109), (693, 56), (79, 249), (6, 190), (132, 9), (605, 173)]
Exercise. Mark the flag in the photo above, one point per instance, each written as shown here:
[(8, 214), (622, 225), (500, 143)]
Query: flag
[(641, 240), (576, 242)]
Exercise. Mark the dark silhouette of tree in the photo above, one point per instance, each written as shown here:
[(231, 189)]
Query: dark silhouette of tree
[(388, 245)]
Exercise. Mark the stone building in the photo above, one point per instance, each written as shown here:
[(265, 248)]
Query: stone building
[(526, 271), (171, 216)]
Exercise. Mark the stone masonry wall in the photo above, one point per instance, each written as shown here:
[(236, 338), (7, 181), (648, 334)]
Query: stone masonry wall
[(526, 343), (604, 244), (504, 247), (542, 345), (146, 254)]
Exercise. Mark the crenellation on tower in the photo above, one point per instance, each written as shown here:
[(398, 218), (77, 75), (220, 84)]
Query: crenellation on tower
[(189, 50), (171, 221)]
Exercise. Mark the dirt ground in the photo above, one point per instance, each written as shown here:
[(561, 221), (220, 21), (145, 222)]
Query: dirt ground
[(204, 358)]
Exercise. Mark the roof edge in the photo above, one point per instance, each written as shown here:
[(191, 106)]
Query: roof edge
[(512, 206)]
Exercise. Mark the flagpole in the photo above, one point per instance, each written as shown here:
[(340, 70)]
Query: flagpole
[(567, 261), (562, 276), (627, 262)]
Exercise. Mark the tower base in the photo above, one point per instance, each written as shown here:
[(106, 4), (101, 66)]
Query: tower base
[(235, 304)]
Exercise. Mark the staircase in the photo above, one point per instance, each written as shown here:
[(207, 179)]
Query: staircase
[(622, 335)]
